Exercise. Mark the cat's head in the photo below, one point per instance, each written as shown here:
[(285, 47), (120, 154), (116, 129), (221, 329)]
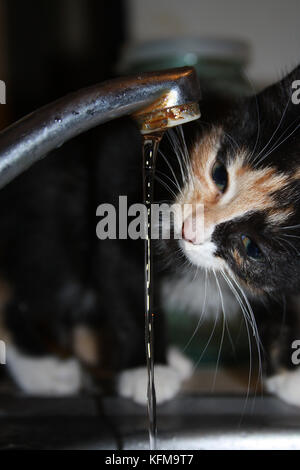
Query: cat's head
[(245, 171)]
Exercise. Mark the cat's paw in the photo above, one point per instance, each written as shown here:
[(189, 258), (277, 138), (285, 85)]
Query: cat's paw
[(44, 376), (180, 363), (286, 385), (132, 383)]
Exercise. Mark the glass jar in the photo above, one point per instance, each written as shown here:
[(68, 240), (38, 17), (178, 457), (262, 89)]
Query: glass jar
[(220, 63)]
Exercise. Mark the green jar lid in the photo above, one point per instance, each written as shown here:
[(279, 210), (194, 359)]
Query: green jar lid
[(220, 63), (187, 49)]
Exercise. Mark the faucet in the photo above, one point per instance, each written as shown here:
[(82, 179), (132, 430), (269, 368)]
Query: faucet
[(156, 100)]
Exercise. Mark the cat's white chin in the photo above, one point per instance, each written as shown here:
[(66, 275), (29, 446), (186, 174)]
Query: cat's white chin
[(202, 255)]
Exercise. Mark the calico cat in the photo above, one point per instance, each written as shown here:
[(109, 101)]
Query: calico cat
[(71, 301)]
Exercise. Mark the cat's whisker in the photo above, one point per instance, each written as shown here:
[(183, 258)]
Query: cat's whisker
[(291, 236), (257, 114), (179, 152), (181, 133), (186, 156), (228, 136), (163, 183), (285, 131), (166, 201), (180, 161), (200, 321), (169, 179), (248, 305), (179, 256), (172, 171), (278, 145), (233, 141), (289, 227), (274, 133), (290, 244), (223, 331), (255, 331), (179, 142), (247, 320), (179, 145), (259, 345), (196, 274), (286, 251), (207, 343)]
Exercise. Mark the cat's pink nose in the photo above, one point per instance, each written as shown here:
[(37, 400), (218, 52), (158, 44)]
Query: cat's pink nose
[(189, 231)]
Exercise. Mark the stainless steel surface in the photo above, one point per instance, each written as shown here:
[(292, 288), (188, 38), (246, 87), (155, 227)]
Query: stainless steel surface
[(189, 422), (213, 423), (47, 128)]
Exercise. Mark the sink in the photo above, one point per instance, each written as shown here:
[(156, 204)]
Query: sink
[(189, 422)]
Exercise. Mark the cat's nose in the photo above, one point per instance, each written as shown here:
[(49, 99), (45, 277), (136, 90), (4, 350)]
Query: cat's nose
[(192, 231)]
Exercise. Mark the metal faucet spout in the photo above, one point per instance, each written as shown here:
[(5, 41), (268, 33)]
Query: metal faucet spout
[(156, 100)]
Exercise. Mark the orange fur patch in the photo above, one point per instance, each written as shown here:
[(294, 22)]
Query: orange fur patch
[(277, 216), (238, 258)]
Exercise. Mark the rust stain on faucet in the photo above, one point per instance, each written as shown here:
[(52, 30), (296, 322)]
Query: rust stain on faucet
[(155, 118)]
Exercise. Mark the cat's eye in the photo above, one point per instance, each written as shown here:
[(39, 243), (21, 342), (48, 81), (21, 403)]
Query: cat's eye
[(220, 176), (251, 247)]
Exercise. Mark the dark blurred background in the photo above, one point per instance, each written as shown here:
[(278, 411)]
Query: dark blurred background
[(51, 47)]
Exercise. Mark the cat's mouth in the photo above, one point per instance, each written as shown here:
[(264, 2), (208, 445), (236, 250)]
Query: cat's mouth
[(202, 254)]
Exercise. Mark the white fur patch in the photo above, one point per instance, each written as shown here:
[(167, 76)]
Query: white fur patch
[(187, 294), (180, 363), (286, 386), (45, 375), (132, 383), (202, 255)]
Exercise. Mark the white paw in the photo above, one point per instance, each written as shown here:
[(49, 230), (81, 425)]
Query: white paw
[(132, 383), (286, 386), (180, 363), (45, 375)]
